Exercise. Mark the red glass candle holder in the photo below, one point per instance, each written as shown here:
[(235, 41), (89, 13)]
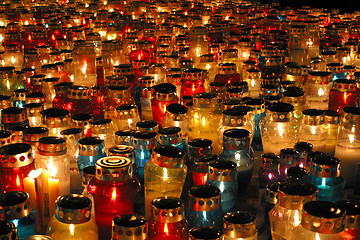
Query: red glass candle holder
[(164, 94), (343, 94), (193, 81), (79, 100), (201, 168)]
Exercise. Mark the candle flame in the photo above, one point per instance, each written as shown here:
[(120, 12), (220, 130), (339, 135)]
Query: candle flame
[(198, 52), (117, 63), (313, 130), (113, 195), (18, 181), (72, 229), (280, 130), (351, 138), (166, 230), (297, 218), (321, 92), (83, 69), (252, 82), (12, 59), (7, 84), (51, 167), (165, 174), (317, 237), (35, 173), (208, 66)]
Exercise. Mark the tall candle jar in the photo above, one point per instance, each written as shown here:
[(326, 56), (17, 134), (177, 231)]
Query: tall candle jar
[(164, 174), (90, 150), (227, 73), (258, 111), (279, 128), (143, 95), (343, 94), (299, 50), (193, 81), (313, 129), (84, 59), (236, 148), (164, 94), (114, 189), (129, 226), (176, 116), (223, 174), (52, 155), (8, 80), (325, 175), (240, 226), (144, 142), (15, 207), (269, 172), (33, 112), (317, 89), (316, 219), (81, 226), (17, 162), (332, 123), (79, 100), (167, 219), (127, 116), (253, 78), (55, 120), (351, 221), (61, 90), (286, 214), (204, 117), (348, 144), (204, 208)]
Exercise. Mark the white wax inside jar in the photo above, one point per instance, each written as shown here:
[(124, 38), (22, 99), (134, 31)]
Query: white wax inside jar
[(349, 155)]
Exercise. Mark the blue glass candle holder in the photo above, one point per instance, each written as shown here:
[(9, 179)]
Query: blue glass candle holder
[(258, 106), (90, 150), (223, 175), (204, 207)]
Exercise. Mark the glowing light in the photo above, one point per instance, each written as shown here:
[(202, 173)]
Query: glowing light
[(166, 176), (166, 230), (270, 176), (1, 38), (296, 218), (321, 92), (7, 84), (313, 130), (12, 59), (26, 22), (35, 173), (72, 229), (208, 66), (351, 138), (113, 195), (83, 69), (280, 129), (252, 82), (317, 237), (51, 167), (203, 121), (18, 181)]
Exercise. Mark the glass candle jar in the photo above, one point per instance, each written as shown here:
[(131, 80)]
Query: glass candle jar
[(204, 117), (313, 129), (114, 190), (5, 137), (171, 136), (129, 226), (52, 156), (167, 219), (148, 126), (143, 95), (227, 73), (298, 48), (79, 100), (317, 89), (124, 137), (82, 120), (163, 95), (176, 116), (258, 111), (269, 172), (14, 116), (351, 221), (343, 94), (144, 142), (8, 80), (268, 202), (204, 207), (223, 175), (82, 226), (33, 112), (193, 81), (19, 98), (84, 59), (205, 233), (55, 120), (61, 97), (15, 207), (348, 144), (236, 148), (8, 230), (296, 97), (103, 129), (325, 175), (164, 174), (90, 150), (286, 214), (305, 150), (337, 69), (17, 163), (200, 168), (279, 128), (127, 116), (315, 217), (240, 226), (289, 157)]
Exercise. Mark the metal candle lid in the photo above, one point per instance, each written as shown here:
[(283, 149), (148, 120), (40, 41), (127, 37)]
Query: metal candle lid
[(313, 117), (113, 169), (81, 120), (73, 209), (35, 97), (147, 125), (5, 137), (5, 101), (8, 230), (331, 117), (169, 136), (222, 171), (257, 104), (87, 174), (289, 156), (350, 115), (296, 172), (227, 68), (127, 111), (56, 117), (16, 155), (194, 74), (236, 139), (91, 146), (344, 85), (14, 115), (167, 209), (52, 146), (164, 92), (200, 146), (204, 198), (62, 88), (168, 156), (323, 217), (19, 95), (78, 92), (124, 137), (32, 135), (294, 194), (352, 215), (271, 193), (239, 225), (116, 80), (325, 166), (205, 233), (205, 100), (14, 205), (144, 140), (118, 91), (129, 226), (122, 151)]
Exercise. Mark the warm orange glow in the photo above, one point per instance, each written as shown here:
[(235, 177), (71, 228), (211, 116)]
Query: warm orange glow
[(35, 173), (18, 181), (113, 195), (346, 97), (166, 230)]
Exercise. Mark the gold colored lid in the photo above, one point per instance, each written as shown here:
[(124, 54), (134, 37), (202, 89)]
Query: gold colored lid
[(78, 92), (344, 85), (320, 77), (16, 155), (55, 117), (294, 194), (14, 115), (20, 95), (205, 100), (168, 156), (33, 134), (204, 198), (164, 92), (352, 215), (91, 146), (52, 146), (8, 230), (350, 115), (127, 111), (227, 68), (280, 112), (324, 166), (222, 171), (115, 91), (313, 117), (82, 120), (113, 169), (14, 205), (116, 80), (167, 209), (194, 74), (73, 209), (239, 225), (129, 226)]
